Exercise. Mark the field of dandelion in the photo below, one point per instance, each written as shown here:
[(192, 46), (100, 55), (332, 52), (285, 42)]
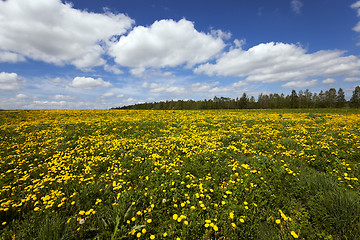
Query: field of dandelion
[(118, 174)]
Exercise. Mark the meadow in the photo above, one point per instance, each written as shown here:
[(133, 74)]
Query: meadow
[(146, 174)]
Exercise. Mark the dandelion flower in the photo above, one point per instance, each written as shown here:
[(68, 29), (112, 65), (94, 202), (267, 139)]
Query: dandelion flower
[(294, 234), (277, 221), (175, 216), (152, 237), (215, 228)]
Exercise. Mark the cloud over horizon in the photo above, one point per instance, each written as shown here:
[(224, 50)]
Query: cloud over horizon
[(166, 43), (277, 62)]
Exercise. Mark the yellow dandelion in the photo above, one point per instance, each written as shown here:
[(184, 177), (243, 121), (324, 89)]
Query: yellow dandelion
[(294, 234)]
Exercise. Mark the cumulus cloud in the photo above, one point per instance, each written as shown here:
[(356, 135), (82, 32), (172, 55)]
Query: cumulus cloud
[(203, 87), (300, 84), (89, 82), (108, 94), (163, 88), (356, 6), (165, 43), (112, 69), (351, 79), (329, 81), (6, 56), (220, 34), (21, 96), (61, 97), (9, 81), (275, 62), (296, 6), (55, 32)]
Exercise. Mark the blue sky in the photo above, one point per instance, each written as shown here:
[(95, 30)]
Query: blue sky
[(100, 54)]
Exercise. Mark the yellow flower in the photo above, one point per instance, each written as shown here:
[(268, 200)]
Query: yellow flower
[(277, 221), (143, 230), (294, 234), (242, 220), (3, 223), (165, 234), (175, 216), (232, 215), (81, 212), (215, 228), (138, 234), (186, 222), (149, 221), (233, 225), (152, 237)]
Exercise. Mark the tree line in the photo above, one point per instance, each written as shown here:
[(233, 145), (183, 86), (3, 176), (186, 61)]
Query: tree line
[(302, 99)]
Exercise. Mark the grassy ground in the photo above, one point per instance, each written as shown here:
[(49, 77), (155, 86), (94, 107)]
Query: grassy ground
[(248, 174)]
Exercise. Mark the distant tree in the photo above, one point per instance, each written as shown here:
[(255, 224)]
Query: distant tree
[(330, 97), (294, 99), (243, 101), (307, 99), (321, 101), (252, 103), (355, 98), (301, 99), (340, 98), (263, 101)]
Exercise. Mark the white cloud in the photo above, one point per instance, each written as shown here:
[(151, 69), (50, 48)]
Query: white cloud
[(6, 56), (163, 88), (21, 96), (240, 84), (89, 82), (203, 87), (300, 84), (296, 6), (329, 81), (356, 6), (112, 69), (351, 79), (62, 97), (220, 34), (165, 43), (55, 32), (108, 94), (275, 62), (9, 81)]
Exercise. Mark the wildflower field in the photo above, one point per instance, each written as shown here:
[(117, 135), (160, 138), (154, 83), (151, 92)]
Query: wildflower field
[(127, 174)]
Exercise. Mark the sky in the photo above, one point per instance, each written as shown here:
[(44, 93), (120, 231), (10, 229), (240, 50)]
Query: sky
[(80, 54)]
